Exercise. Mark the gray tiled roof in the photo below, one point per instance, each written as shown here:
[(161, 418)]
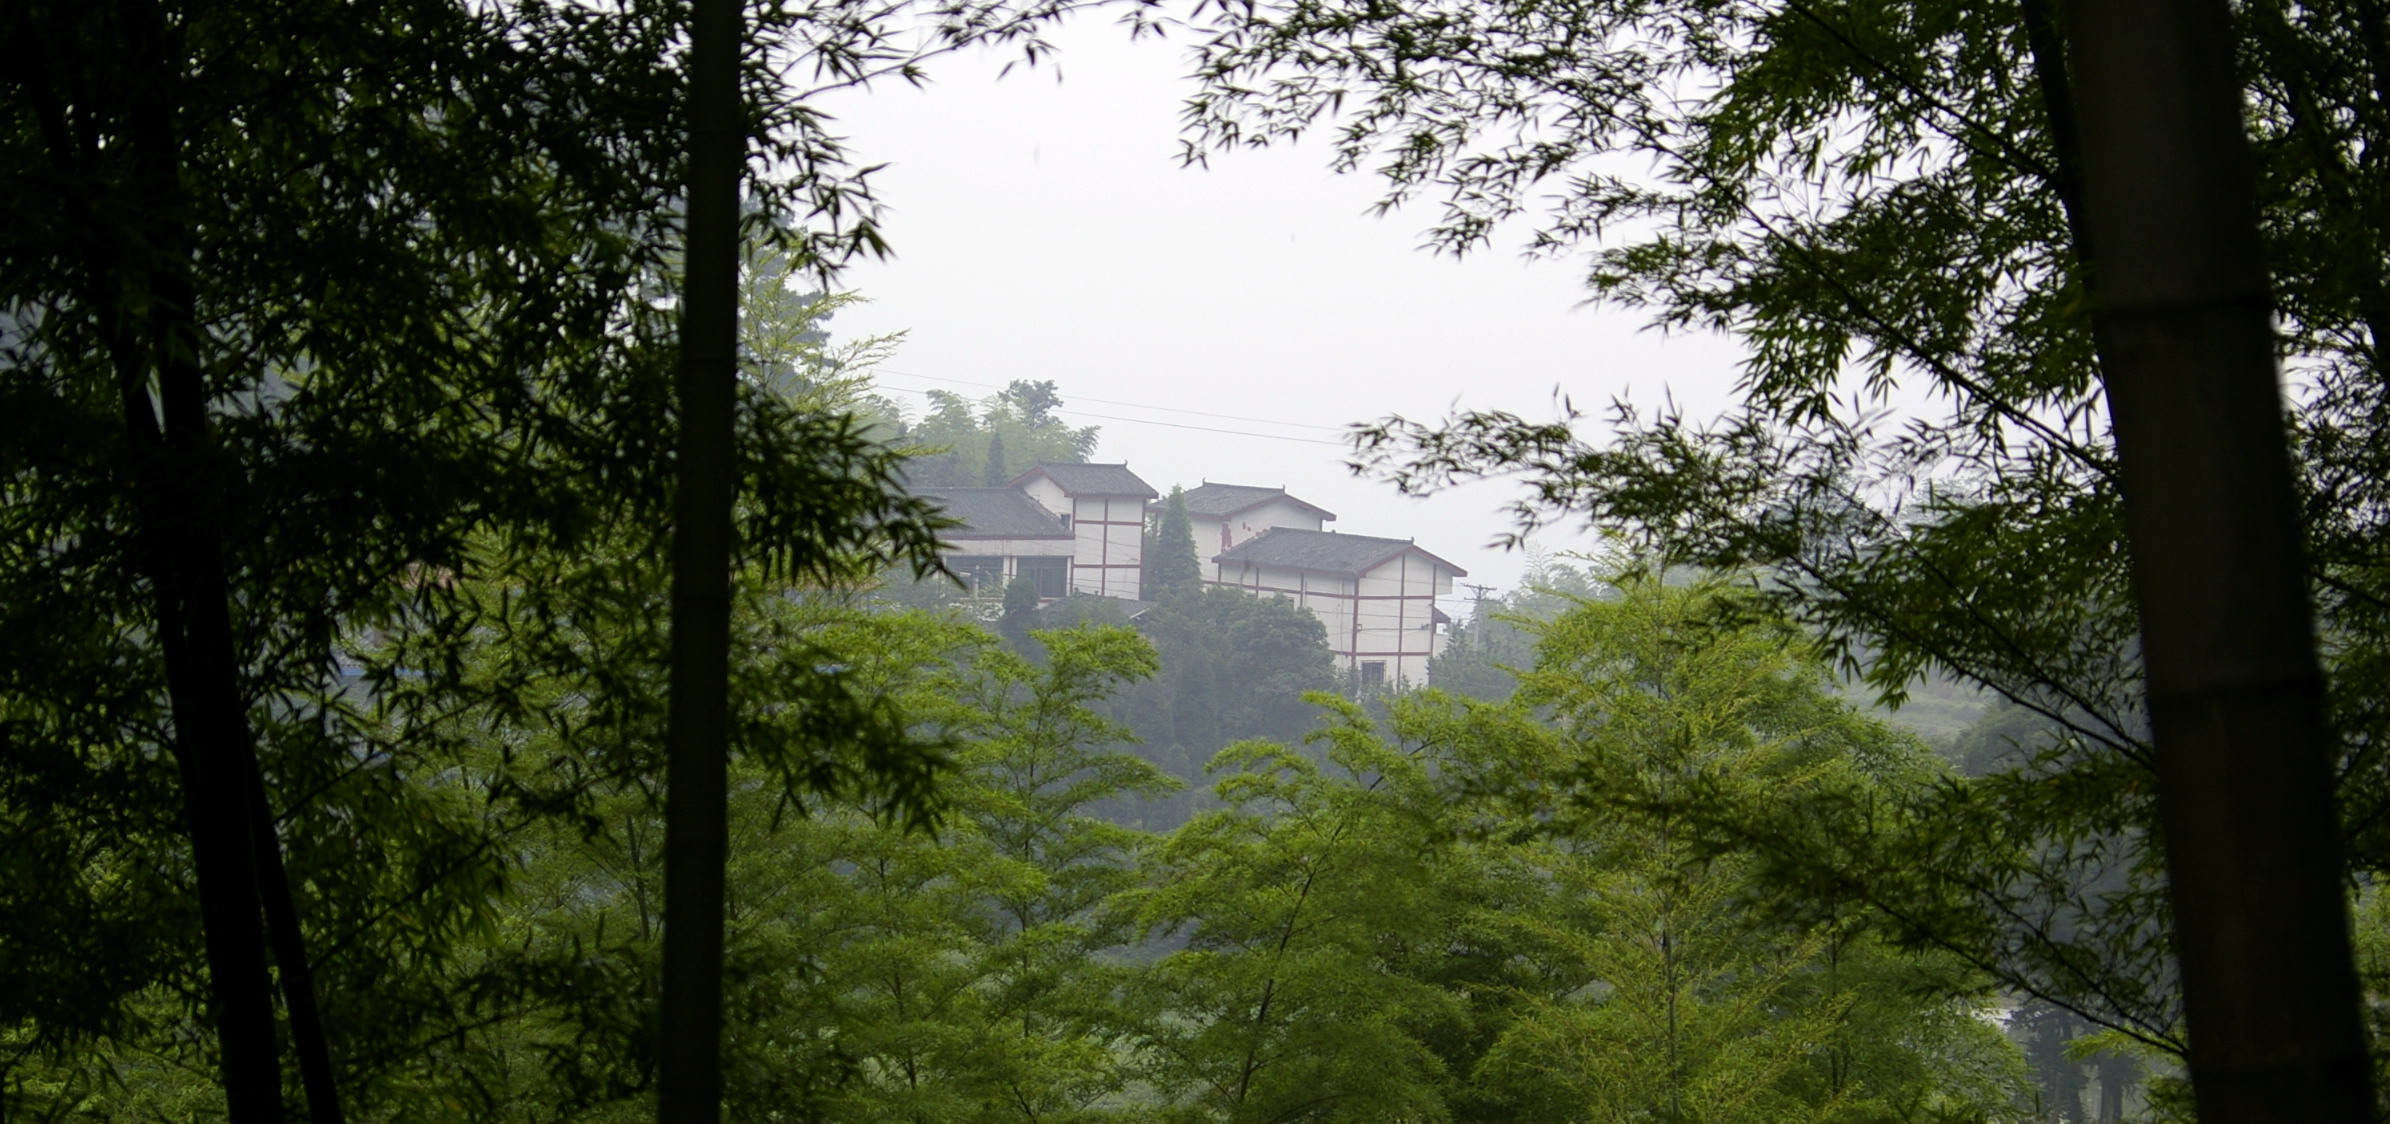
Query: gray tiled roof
[(1323, 552), (1223, 500), (1092, 479), (996, 513)]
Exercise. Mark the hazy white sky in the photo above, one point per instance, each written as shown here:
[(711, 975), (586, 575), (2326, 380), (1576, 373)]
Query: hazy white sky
[(1045, 230)]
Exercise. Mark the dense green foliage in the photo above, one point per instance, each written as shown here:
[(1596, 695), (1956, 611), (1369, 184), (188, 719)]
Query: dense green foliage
[(1172, 565), (336, 347), (985, 444), (1500, 911), (1234, 666), (1463, 910), (1483, 654), (270, 356), (1876, 196), (1655, 869), (1705, 717)]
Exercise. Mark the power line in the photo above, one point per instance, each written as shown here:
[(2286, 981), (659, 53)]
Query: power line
[(1132, 405), (1172, 425), (1209, 429)]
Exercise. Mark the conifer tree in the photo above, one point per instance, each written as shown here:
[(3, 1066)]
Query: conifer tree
[(993, 475), (1020, 613), (1172, 567)]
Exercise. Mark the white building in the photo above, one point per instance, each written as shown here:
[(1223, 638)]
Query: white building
[(1104, 507), (1080, 528), (1224, 515), (1377, 597), (1071, 528), (1005, 535)]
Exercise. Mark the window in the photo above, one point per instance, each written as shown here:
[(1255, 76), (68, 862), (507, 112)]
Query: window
[(1373, 673), (982, 574), (1052, 575)]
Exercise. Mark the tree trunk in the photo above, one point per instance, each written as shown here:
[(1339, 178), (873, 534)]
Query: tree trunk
[(155, 333), (289, 943), (144, 287), (689, 1059), (2182, 321)]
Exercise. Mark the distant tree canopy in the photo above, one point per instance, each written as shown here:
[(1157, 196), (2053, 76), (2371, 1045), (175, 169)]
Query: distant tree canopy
[(967, 444), (1936, 242), (1481, 657), (314, 319), (1171, 564), (786, 347), (1233, 666)]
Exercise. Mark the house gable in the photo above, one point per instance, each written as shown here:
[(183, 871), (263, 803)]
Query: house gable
[(1223, 515), (1223, 501), (1080, 529), (1375, 597), (1104, 506), (1326, 552), (1004, 536)]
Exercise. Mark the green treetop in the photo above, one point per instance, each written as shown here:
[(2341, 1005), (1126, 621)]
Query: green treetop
[(1678, 712), (1531, 911), (1234, 666), (974, 444), (1937, 243), (1020, 613), (1171, 566)]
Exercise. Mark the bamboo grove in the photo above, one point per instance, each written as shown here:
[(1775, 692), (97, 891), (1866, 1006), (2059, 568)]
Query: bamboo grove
[(1430, 908), (345, 484)]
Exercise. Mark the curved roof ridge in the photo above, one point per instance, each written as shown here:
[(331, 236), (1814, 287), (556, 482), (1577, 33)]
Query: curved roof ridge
[(1222, 500), (1326, 552), (1090, 479), (995, 513)]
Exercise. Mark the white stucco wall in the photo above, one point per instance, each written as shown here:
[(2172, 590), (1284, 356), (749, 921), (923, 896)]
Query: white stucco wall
[(1208, 544), (1108, 537), (1012, 547), (1048, 494), (1214, 534), (1385, 616), (1110, 534), (1395, 619), (1276, 513)]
